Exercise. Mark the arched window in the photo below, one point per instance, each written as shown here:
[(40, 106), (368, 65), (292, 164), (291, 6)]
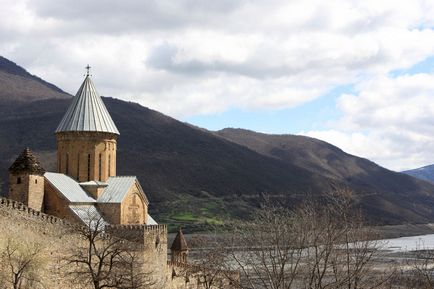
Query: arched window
[(18, 180), (88, 167), (109, 165), (99, 168), (78, 167), (36, 181), (59, 162)]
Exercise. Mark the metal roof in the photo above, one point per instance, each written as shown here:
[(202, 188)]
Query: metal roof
[(87, 112), (93, 184), (117, 188), (89, 215), (151, 221), (68, 187)]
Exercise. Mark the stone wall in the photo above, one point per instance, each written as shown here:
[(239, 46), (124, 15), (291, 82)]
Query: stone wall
[(74, 148), (25, 225), (27, 189), (56, 204), (154, 240)]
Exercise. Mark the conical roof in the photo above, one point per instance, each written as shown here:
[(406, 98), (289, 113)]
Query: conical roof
[(179, 244), (26, 162), (87, 112)]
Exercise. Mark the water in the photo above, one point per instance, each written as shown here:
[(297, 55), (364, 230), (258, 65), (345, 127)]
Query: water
[(405, 244)]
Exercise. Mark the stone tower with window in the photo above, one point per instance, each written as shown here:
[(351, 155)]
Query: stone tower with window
[(26, 181), (86, 138), (179, 248)]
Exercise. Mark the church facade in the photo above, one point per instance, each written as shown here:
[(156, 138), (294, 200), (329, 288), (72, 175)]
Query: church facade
[(86, 188), (85, 185)]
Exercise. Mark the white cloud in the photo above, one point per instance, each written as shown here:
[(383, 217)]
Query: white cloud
[(201, 57), (388, 120), (175, 55)]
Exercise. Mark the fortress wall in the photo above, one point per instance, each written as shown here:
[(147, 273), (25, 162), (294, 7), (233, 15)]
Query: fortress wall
[(154, 240), (26, 226)]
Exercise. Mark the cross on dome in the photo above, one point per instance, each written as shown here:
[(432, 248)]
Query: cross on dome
[(88, 70)]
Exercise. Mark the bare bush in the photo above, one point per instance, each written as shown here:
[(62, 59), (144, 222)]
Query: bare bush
[(210, 265), (321, 244), (102, 261), (20, 265)]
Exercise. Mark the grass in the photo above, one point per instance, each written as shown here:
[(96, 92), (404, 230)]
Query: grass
[(195, 213)]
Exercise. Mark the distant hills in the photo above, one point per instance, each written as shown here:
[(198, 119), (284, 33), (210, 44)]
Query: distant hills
[(424, 173), (16, 84), (195, 176)]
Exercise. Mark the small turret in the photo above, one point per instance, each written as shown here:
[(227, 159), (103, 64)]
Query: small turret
[(26, 181), (179, 248)]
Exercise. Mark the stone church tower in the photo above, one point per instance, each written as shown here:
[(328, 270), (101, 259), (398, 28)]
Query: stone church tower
[(86, 138), (26, 181), (179, 248)]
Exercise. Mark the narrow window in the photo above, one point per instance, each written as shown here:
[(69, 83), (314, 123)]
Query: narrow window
[(109, 164), (36, 181), (59, 163), (18, 180), (88, 167), (78, 167), (67, 164), (99, 168)]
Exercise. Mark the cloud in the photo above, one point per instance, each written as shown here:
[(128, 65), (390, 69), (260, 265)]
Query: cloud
[(389, 120), (188, 57)]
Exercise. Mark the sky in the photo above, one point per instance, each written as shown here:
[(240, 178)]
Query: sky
[(357, 74)]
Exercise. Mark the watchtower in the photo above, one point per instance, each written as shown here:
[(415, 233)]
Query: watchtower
[(26, 181), (179, 248)]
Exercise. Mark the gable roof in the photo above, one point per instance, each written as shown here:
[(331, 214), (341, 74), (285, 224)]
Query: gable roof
[(87, 112), (151, 221), (179, 243), (68, 187), (89, 215), (118, 188), (26, 162)]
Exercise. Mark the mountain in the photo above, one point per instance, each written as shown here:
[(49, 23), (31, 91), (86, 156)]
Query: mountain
[(195, 176), (16, 84), (424, 173), (378, 189)]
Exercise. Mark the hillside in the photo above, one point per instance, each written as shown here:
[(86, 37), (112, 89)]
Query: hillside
[(179, 166), (192, 175), (424, 173), (16, 84)]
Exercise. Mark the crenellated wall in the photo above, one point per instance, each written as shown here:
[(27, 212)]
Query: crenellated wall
[(26, 225), (154, 240)]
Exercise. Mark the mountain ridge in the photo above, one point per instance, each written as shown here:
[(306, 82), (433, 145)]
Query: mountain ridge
[(195, 176), (425, 173), (16, 84)]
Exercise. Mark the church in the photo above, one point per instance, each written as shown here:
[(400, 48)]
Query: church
[(85, 185)]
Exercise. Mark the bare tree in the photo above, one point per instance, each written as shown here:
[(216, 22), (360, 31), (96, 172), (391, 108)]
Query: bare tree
[(210, 265), (321, 244), (419, 271), (105, 261), (20, 264)]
